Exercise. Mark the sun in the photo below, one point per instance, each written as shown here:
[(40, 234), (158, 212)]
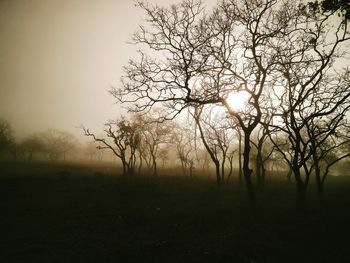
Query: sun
[(238, 100)]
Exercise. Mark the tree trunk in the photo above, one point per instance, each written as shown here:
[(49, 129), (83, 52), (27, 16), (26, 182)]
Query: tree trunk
[(231, 168), (130, 169), (319, 185), (263, 176), (124, 168), (183, 166), (154, 162), (301, 191), (247, 172), (211, 153), (140, 166), (258, 169), (240, 175), (223, 169), (217, 171), (191, 170)]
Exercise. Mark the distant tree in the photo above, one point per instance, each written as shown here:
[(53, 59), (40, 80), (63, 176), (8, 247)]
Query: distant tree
[(183, 139), (51, 139), (122, 138), (164, 156), (92, 150), (17, 150), (58, 144), (6, 135), (68, 144), (154, 135), (33, 144)]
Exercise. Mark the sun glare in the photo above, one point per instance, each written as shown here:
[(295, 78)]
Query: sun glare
[(238, 100)]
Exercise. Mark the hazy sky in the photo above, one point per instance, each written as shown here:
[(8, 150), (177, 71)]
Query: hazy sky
[(58, 59)]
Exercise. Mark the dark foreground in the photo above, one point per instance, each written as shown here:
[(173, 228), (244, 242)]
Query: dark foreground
[(51, 215)]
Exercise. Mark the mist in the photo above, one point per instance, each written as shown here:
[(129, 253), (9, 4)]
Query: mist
[(174, 131), (58, 60)]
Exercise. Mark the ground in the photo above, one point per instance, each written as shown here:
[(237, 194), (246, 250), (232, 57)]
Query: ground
[(61, 213)]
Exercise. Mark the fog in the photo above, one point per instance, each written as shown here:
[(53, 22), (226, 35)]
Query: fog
[(58, 59), (238, 136)]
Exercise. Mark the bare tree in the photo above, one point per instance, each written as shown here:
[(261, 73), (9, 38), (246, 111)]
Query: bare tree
[(309, 89), (264, 150), (211, 149), (199, 61), (189, 58), (184, 139), (216, 134), (329, 144), (123, 138), (154, 135)]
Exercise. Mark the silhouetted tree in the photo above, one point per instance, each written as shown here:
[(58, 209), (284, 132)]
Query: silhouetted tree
[(216, 134), (264, 148), (329, 144), (239, 133), (123, 138), (211, 149), (309, 89), (154, 135), (189, 58), (261, 155), (184, 139)]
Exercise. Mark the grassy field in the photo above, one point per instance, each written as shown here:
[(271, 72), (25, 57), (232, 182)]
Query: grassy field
[(71, 213)]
